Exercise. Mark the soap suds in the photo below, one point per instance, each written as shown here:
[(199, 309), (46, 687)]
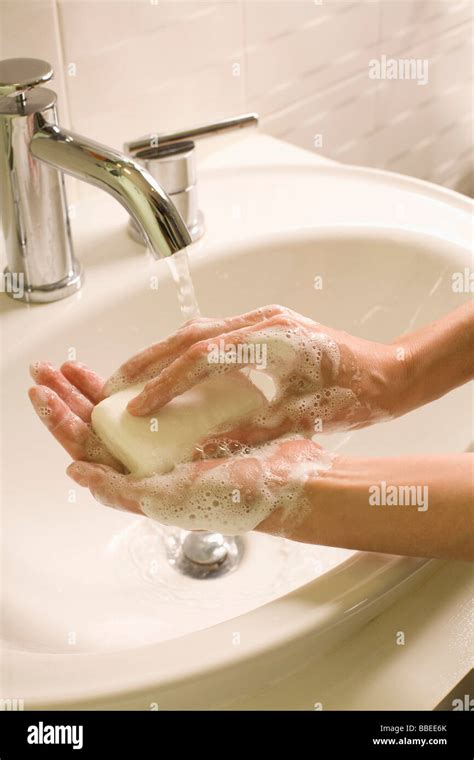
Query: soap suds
[(303, 372), (210, 499), (295, 366)]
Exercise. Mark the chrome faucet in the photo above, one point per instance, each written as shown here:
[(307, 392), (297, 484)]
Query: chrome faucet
[(34, 151), (171, 159)]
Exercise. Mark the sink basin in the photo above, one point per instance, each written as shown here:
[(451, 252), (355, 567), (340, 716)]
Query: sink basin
[(92, 613)]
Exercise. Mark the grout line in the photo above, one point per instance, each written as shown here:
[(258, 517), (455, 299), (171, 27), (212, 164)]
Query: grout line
[(307, 99), (121, 47), (72, 183), (244, 55), (308, 23), (435, 35), (358, 71), (59, 37)]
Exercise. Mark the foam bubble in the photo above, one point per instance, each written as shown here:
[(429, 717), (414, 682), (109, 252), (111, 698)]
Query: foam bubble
[(304, 372), (44, 411), (211, 499), (34, 369)]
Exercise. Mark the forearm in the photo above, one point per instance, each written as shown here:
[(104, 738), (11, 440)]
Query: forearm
[(437, 358), (350, 507)]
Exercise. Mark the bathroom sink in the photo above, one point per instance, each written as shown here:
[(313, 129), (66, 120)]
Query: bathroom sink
[(92, 613)]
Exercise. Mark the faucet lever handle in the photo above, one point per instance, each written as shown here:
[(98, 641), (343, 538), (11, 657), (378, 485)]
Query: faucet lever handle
[(20, 74), (157, 140)]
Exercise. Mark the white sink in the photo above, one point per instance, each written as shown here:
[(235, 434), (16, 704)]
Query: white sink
[(93, 615)]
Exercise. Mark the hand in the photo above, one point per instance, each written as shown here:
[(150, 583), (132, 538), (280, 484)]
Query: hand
[(229, 495), (63, 400), (233, 493), (325, 378)]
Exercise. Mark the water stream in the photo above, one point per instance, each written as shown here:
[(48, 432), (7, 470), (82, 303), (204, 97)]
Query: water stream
[(198, 554), (179, 268)]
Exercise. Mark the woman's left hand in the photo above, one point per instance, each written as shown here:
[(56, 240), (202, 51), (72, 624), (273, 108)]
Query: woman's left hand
[(234, 493)]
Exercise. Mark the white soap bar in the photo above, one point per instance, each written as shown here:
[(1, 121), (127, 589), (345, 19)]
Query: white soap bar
[(147, 445)]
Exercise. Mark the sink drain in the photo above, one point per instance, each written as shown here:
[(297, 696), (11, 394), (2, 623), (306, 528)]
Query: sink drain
[(204, 555)]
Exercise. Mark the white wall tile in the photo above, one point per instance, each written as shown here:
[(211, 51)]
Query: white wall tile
[(406, 23), (324, 49), (269, 19), (210, 94), (92, 27), (338, 117), (148, 65), (144, 67), (413, 121), (29, 29)]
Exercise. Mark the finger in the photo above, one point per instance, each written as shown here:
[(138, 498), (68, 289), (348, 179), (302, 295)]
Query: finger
[(292, 451), (251, 434), (74, 435), (45, 374), (86, 381), (108, 486), (148, 363), (192, 368), (68, 429)]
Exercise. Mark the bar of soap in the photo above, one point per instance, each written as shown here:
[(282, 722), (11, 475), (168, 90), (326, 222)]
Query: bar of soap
[(148, 445)]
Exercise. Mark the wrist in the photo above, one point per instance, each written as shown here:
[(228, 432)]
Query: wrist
[(385, 380), (435, 359), (398, 366), (323, 494)]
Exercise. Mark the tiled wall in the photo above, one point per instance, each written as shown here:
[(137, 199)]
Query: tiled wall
[(127, 68)]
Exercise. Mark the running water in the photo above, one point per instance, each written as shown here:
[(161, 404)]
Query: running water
[(179, 268)]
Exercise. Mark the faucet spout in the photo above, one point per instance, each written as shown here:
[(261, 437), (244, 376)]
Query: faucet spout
[(121, 176), (35, 153)]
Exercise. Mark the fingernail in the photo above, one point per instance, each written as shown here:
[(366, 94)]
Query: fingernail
[(209, 449), (144, 404), (39, 396), (42, 399), (77, 365), (76, 471), (135, 406), (36, 367)]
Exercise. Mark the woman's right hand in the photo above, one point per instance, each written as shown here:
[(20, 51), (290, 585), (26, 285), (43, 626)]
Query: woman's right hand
[(325, 379)]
